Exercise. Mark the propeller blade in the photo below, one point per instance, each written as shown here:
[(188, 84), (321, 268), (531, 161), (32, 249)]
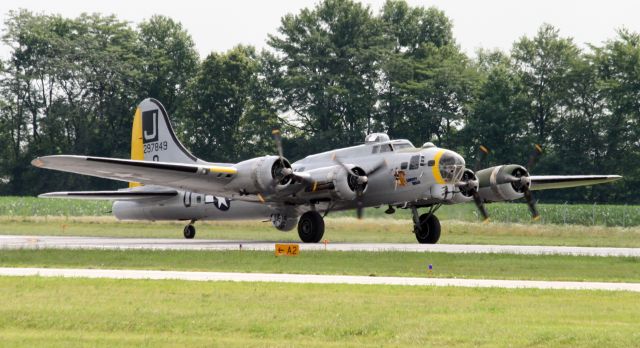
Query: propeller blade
[(484, 152), (480, 205), (533, 158), (379, 166), (349, 170), (531, 203), (359, 211), (277, 138)]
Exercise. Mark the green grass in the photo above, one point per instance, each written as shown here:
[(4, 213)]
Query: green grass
[(572, 214), (407, 264), (337, 230), (111, 313)]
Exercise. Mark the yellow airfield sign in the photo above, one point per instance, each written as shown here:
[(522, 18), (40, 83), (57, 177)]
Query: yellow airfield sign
[(287, 249)]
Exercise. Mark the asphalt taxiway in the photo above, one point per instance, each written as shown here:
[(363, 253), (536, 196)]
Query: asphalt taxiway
[(60, 242), (315, 279)]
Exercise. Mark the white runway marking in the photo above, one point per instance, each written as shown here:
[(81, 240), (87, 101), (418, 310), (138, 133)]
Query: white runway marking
[(316, 279), (40, 242)]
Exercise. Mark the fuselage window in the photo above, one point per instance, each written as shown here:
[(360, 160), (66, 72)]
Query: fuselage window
[(400, 146), (198, 199), (375, 149), (386, 148), (421, 161), (414, 162), (403, 165), (431, 163)]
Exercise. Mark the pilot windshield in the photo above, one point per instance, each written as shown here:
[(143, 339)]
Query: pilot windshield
[(451, 167)]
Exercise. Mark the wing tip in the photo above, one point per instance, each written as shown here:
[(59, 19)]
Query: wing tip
[(37, 162)]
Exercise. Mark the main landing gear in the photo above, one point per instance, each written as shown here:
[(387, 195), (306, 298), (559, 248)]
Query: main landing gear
[(311, 227), (426, 226), (189, 230)]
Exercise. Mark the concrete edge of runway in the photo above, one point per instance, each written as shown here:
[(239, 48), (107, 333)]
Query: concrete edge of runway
[(114, 243), (315, 279)]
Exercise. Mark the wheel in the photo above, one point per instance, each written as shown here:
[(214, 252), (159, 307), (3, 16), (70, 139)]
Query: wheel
[(311, 227), (189, 231), (429, 231)]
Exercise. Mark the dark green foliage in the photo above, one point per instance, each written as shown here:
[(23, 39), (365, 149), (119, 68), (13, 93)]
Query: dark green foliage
[(333, 73)]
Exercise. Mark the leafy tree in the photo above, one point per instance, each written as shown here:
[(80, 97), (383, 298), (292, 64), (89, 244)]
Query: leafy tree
[(543, 63), (220, 100), (170, 60), (618, 71), (328, 58), (426, 81), (498, 119)]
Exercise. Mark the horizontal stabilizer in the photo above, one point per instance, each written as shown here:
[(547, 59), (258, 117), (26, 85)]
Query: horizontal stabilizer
[(123, 195), (546, 182)]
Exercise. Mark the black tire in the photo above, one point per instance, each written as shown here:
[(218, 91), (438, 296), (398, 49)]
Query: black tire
[(311, 227), (429, 231), (189, 231)]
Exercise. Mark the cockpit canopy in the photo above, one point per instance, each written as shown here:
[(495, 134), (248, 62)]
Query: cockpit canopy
[(376, 138), (451, 166)]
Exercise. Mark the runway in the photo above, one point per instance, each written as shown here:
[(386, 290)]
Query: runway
[(57, 242), (315, 279)]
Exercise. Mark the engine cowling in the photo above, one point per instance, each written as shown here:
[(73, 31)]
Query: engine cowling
[(333, 182), (464, 194), (498, 184), (260, 175)]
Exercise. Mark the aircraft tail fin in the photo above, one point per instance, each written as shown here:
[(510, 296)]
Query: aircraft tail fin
[(153, 138)]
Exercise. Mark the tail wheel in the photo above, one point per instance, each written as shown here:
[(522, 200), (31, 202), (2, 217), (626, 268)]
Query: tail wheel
[(189, 231), (311, 227), (429, 230)]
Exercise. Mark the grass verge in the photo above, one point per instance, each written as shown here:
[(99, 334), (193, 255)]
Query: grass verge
[(406, 264), (102, 312), (337, 230)]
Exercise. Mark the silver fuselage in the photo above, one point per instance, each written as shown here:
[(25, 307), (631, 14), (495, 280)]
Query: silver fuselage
[(424, 182)]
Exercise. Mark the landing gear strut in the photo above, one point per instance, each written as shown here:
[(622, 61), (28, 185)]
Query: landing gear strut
[(190, 230), (311, 227), (426, 226)]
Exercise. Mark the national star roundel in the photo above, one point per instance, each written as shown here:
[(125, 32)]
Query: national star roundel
[(221, 203)]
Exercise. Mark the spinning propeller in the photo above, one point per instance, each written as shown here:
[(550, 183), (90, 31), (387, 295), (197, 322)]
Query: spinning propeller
[(281, 174), (469, 183), (358, 180), (524, 182), (519, 178)]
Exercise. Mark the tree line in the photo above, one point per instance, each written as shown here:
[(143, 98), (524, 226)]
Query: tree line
[(330, 75)]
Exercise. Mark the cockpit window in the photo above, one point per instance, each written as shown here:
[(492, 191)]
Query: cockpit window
[(385, 148), (400, 146), (451, 167)]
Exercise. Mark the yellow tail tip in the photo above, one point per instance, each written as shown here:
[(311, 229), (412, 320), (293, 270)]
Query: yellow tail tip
[(484, 149), (486, 221), (536, 218)]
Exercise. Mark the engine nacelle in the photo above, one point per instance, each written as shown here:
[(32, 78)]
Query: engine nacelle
[(465, 193), (333, 182), (496, 184), (257, 175)]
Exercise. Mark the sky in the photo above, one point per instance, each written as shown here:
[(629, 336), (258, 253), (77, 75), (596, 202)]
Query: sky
[(219, 25)]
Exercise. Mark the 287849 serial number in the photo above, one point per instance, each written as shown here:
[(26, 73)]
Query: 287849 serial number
[(155, 147)]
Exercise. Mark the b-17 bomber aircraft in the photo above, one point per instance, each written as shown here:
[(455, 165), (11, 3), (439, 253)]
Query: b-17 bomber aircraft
[(168, 183)]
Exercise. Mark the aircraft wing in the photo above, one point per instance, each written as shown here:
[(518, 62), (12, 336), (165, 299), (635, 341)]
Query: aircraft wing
[(191, 177), (120, 195), (546, 182)]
